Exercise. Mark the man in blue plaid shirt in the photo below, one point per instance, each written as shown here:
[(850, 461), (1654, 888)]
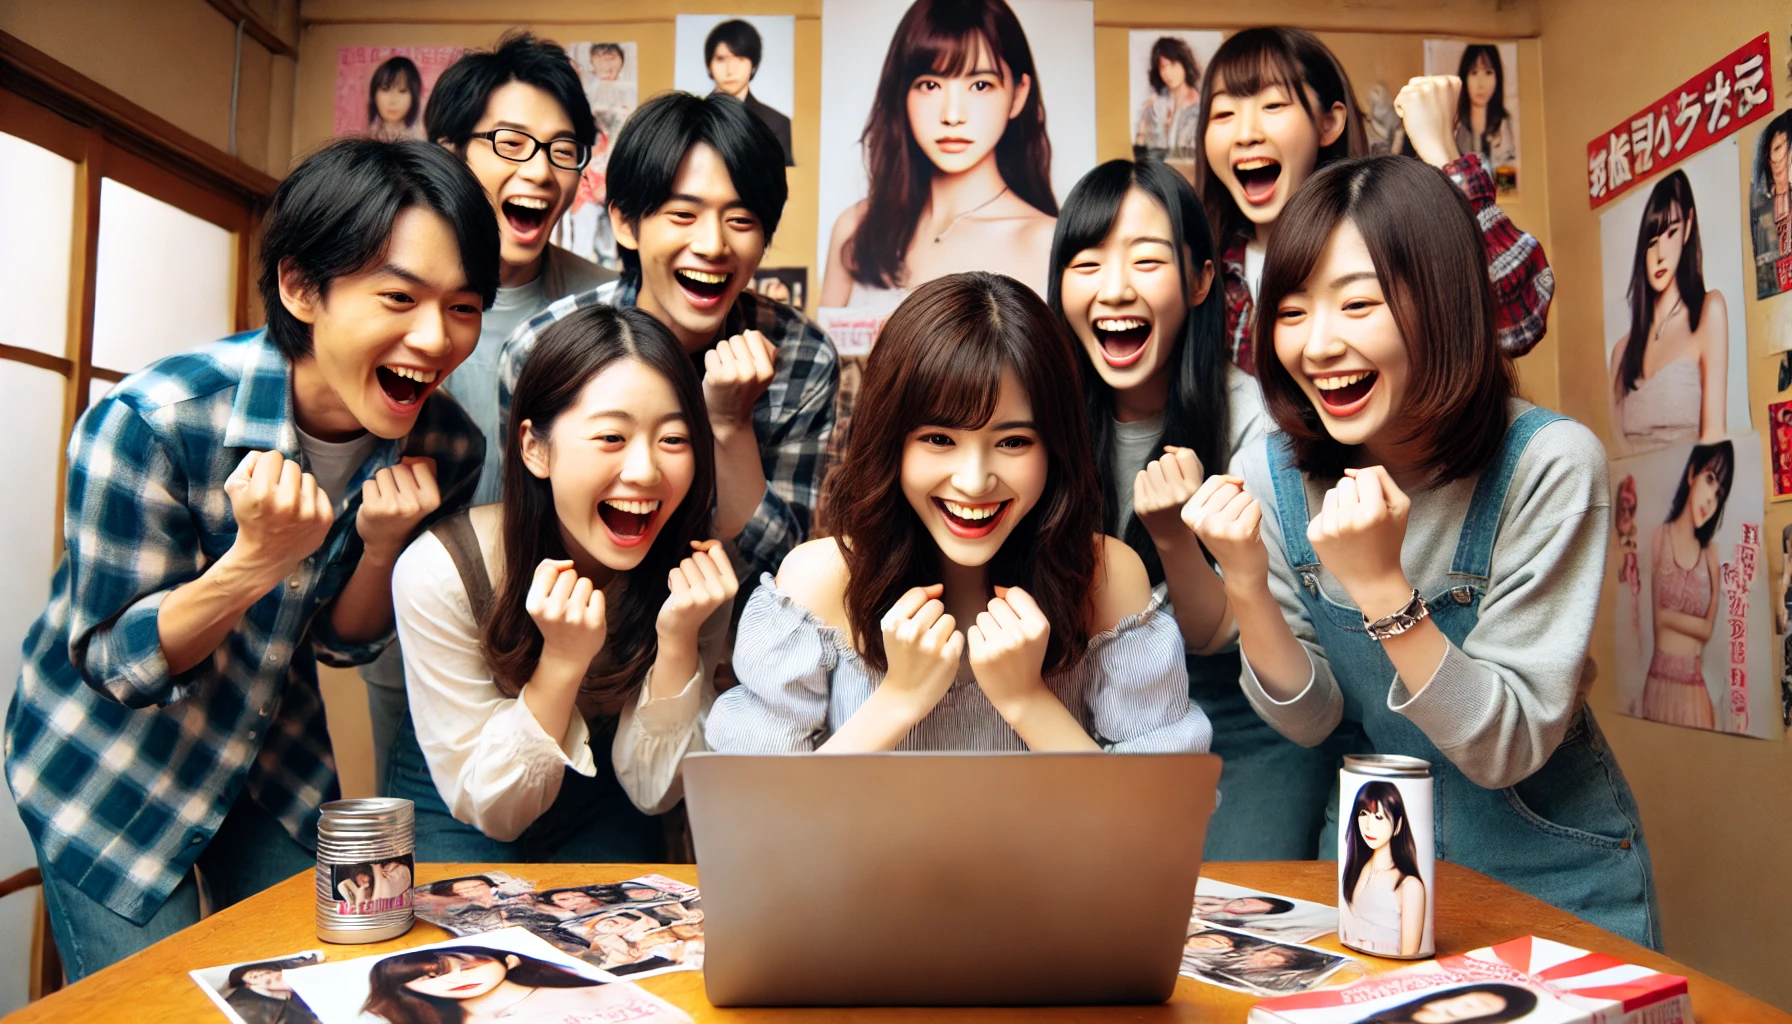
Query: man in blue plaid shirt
[(696, 188), (233, 515)]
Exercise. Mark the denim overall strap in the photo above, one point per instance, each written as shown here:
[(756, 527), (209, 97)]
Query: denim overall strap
[(1291, 502), (1474, 547)]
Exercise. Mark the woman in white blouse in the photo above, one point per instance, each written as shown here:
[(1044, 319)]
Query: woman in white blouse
[(550, 707)]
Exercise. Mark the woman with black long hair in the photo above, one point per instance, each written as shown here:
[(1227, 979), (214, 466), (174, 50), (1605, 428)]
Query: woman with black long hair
[(395, 100), (476, 984), (1380, 881), (559, 646), (956, 156)]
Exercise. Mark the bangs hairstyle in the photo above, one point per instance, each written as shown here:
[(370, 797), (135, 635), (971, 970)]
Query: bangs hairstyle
[(741, 39), (1489, 54), (1176, 51), (395, 71), (654, 140), (1383, 797), (1670, 202), (572, 351), (1778, 128), (1197, 415), (332, 217), (1432, 263), (461, 95), (389, 997), (1519, 1002), (1256, 59), (941, 37), (939, 362), (1720, 460)]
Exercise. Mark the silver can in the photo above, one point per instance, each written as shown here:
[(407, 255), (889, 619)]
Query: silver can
[(1387, 856), (366, 866)]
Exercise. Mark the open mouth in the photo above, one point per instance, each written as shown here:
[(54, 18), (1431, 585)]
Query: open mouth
[(1257, 178), (704, 285), (526, 215), (1122, 338), (1346, 394), (971, 521), (405, 385), (628, 520)]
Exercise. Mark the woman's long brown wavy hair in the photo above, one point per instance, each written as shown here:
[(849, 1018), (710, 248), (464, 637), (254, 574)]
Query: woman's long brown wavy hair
[(568, 355), (939, 362), (941, 37)]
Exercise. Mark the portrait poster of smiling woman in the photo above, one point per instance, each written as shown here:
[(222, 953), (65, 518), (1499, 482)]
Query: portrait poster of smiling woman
[(1693, 612), (1387, 853), (1671, 264)]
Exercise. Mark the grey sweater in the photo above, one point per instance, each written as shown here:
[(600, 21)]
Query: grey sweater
[(1498, 705)]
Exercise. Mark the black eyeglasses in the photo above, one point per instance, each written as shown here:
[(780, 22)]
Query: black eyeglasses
[(520, 147)]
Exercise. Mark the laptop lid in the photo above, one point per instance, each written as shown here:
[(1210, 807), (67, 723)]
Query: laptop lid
[(946, 878)]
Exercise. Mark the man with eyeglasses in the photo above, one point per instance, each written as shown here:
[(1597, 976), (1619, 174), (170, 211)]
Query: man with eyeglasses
[(517, 115)]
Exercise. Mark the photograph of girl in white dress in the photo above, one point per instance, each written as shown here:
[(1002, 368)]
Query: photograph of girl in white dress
[(1382, 909)]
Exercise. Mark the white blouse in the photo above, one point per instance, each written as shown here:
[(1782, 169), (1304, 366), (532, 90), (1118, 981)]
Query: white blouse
[(491, 761)]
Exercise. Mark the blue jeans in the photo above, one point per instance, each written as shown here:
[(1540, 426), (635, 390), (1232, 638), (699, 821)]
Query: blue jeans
[(250, 852)]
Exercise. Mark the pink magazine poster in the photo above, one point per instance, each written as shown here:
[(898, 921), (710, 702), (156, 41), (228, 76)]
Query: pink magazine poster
[(381, 90)]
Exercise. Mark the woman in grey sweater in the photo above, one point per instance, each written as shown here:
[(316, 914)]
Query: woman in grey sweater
[(1417, 554)]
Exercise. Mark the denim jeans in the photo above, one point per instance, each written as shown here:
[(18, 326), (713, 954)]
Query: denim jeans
[(250, 852)]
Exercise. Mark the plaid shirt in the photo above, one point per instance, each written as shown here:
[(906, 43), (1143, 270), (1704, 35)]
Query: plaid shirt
[(1523, 283), (122, 769), (792, 419)]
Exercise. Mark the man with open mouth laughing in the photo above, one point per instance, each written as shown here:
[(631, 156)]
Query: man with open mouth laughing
[(234, 513), (517, 116), (696, 190)]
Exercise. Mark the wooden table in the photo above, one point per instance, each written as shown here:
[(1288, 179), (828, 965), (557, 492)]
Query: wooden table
[(1472, 911)]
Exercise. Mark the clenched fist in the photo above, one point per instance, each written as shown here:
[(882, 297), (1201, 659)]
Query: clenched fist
[(1357, 536), (699, 585), (735, 373), (1229, 521), (922, 646), (1008, 645), (1427, 107), (569, 611), (282, 515), (393, 502), (1162, 488)]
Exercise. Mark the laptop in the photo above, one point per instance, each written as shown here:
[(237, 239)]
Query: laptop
[(946, 879)]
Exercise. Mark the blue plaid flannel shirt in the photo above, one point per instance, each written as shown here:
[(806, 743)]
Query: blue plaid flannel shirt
[(122, 769), (792, 420)]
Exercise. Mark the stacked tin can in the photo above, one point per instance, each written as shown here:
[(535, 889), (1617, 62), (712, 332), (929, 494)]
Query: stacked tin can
[(353, 834)]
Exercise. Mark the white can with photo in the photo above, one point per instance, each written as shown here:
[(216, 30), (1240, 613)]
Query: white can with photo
[(1387, 855), (366, 867)]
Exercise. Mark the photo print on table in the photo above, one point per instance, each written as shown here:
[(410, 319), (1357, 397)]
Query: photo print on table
[(1163, 73), (256, 991), (507, 974), (751, 57), (609, 75), (381, 90), (1260, 913), (1675, 338), (1250, 963), (1693, 630), (1487, 107)]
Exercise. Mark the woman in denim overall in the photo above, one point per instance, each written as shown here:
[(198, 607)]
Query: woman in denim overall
[(1379, 363)]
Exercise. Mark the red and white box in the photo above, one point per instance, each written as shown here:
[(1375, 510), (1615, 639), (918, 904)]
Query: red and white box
[(1530, 979)]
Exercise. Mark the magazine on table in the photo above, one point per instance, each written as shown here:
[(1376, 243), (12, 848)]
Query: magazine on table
[(508, 974), (1283, 918), (1533, 980), (635, 928), (256, 991), (1250, 963)]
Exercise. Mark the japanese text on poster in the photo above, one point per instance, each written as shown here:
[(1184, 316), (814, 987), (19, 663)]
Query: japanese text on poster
[(1711, 105), (1738, 575)]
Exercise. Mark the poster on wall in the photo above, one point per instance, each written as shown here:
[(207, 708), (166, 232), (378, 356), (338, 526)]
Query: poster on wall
[(1710, 106), (1671, 265), (1693, 629), (381, 90), (1779, 450), (608, 73), (1164, 69), (751, 57), (1487, 110), (1770, 207), (985, 156)]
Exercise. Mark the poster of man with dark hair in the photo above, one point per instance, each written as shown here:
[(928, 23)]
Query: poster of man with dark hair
[(749, 58)]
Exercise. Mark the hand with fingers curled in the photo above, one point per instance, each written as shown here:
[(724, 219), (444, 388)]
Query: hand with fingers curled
[(698, 586), (393, 501), (1427, 108), (922, 646), (735, 373), (1007, 645), (1162, 488), (282, 515), (1357, 536), (569, 611), (1229, 521)]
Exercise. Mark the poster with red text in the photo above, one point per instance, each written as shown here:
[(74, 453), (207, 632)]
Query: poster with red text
[(1693, 631), (1779, 425)]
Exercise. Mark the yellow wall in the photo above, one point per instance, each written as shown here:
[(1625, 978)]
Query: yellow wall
[(1717, 809)]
